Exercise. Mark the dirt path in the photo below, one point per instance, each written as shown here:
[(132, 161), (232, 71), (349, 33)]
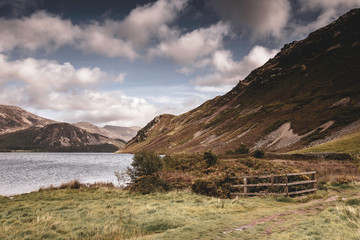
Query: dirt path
[(310, 208)]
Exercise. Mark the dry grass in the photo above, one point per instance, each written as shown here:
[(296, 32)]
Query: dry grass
[(103, 213)]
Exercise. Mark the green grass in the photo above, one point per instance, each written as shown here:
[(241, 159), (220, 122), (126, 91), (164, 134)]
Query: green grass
[(108, 213), (347, 144)]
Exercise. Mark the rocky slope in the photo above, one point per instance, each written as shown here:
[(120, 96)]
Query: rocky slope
[(13, 119), (307, 93), (58, 137)]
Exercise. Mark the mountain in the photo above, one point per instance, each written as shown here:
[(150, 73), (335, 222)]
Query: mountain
[(115, 132), (13, 119), (309, 93), (58, 137), (22, 130), (126, 133)]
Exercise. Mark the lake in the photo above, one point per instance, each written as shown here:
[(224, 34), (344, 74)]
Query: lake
[(27, 172)]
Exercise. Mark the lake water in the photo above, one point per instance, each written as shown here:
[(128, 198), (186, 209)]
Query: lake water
[(27, 172)]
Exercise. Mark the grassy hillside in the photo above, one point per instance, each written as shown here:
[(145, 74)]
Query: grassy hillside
[(307, 92), (108, 213), (347, 144)]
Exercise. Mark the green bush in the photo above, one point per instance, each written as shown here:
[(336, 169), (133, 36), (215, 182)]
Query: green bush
[(145, 163), (259, 154), (210, 158)]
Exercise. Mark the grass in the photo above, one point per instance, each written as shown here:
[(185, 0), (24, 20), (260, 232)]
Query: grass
[(102, 212), (347, 144)]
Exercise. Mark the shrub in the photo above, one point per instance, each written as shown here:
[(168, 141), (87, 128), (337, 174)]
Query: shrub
[(353, 202), (145, 163), (147, 184), (74, 184), (259, 153), (210, 158), (205, 187), (243, 149)]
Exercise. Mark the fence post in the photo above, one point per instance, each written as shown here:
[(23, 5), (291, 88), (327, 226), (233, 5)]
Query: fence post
[(272, 179), (286, 185), (313, 178), (245, 187)]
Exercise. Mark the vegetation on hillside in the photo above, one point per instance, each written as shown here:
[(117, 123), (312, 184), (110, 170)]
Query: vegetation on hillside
[(347, 144)]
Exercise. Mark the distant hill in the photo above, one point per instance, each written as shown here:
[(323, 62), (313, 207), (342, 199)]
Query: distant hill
[(115, 132), (13, 118), (58, 137), (126, 133), (309, 93), (22, 130)]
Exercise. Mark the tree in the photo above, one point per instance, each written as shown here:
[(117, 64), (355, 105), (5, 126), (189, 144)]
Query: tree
[(145, 163)]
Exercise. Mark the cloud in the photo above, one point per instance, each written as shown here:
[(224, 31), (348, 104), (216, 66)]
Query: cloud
[(259, 19), (190, 47), (229, 72), (45, 75), (146, 22), (38, 31), (42, 82), (108, 38), (48, 85), (329, 11)]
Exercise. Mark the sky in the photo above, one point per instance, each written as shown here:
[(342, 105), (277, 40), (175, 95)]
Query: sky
[(123, 62)]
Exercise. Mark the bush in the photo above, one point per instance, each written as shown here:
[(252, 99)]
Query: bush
[(243, 149), (259, 154), (210, 158), (205, 187), (144, 163), (148, 184), (74, 184), (353, 202)]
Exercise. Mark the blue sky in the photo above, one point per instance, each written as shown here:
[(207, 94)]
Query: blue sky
[(124, 62)]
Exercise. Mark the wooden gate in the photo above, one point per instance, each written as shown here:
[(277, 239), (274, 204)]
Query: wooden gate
[(310, 185)]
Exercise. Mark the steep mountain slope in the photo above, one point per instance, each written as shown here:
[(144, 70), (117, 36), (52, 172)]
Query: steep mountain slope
[(58, 137), (307, 94), (115, 132), (13, 119)]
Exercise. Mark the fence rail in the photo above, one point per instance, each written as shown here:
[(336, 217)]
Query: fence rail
[(312, 183)]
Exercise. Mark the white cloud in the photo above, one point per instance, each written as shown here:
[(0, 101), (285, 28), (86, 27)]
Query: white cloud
[(45, 75), (109, 38), (229, 72), (43, 84), (193, 46), (329, 11), (41, 30), (258, 18), (149, 21)]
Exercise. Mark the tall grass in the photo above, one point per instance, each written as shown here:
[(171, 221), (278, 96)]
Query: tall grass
[(109, 213)]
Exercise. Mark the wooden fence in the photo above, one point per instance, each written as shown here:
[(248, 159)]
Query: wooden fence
[(310, 184)]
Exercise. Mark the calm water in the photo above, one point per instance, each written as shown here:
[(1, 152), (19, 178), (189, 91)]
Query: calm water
[(26, 172)]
